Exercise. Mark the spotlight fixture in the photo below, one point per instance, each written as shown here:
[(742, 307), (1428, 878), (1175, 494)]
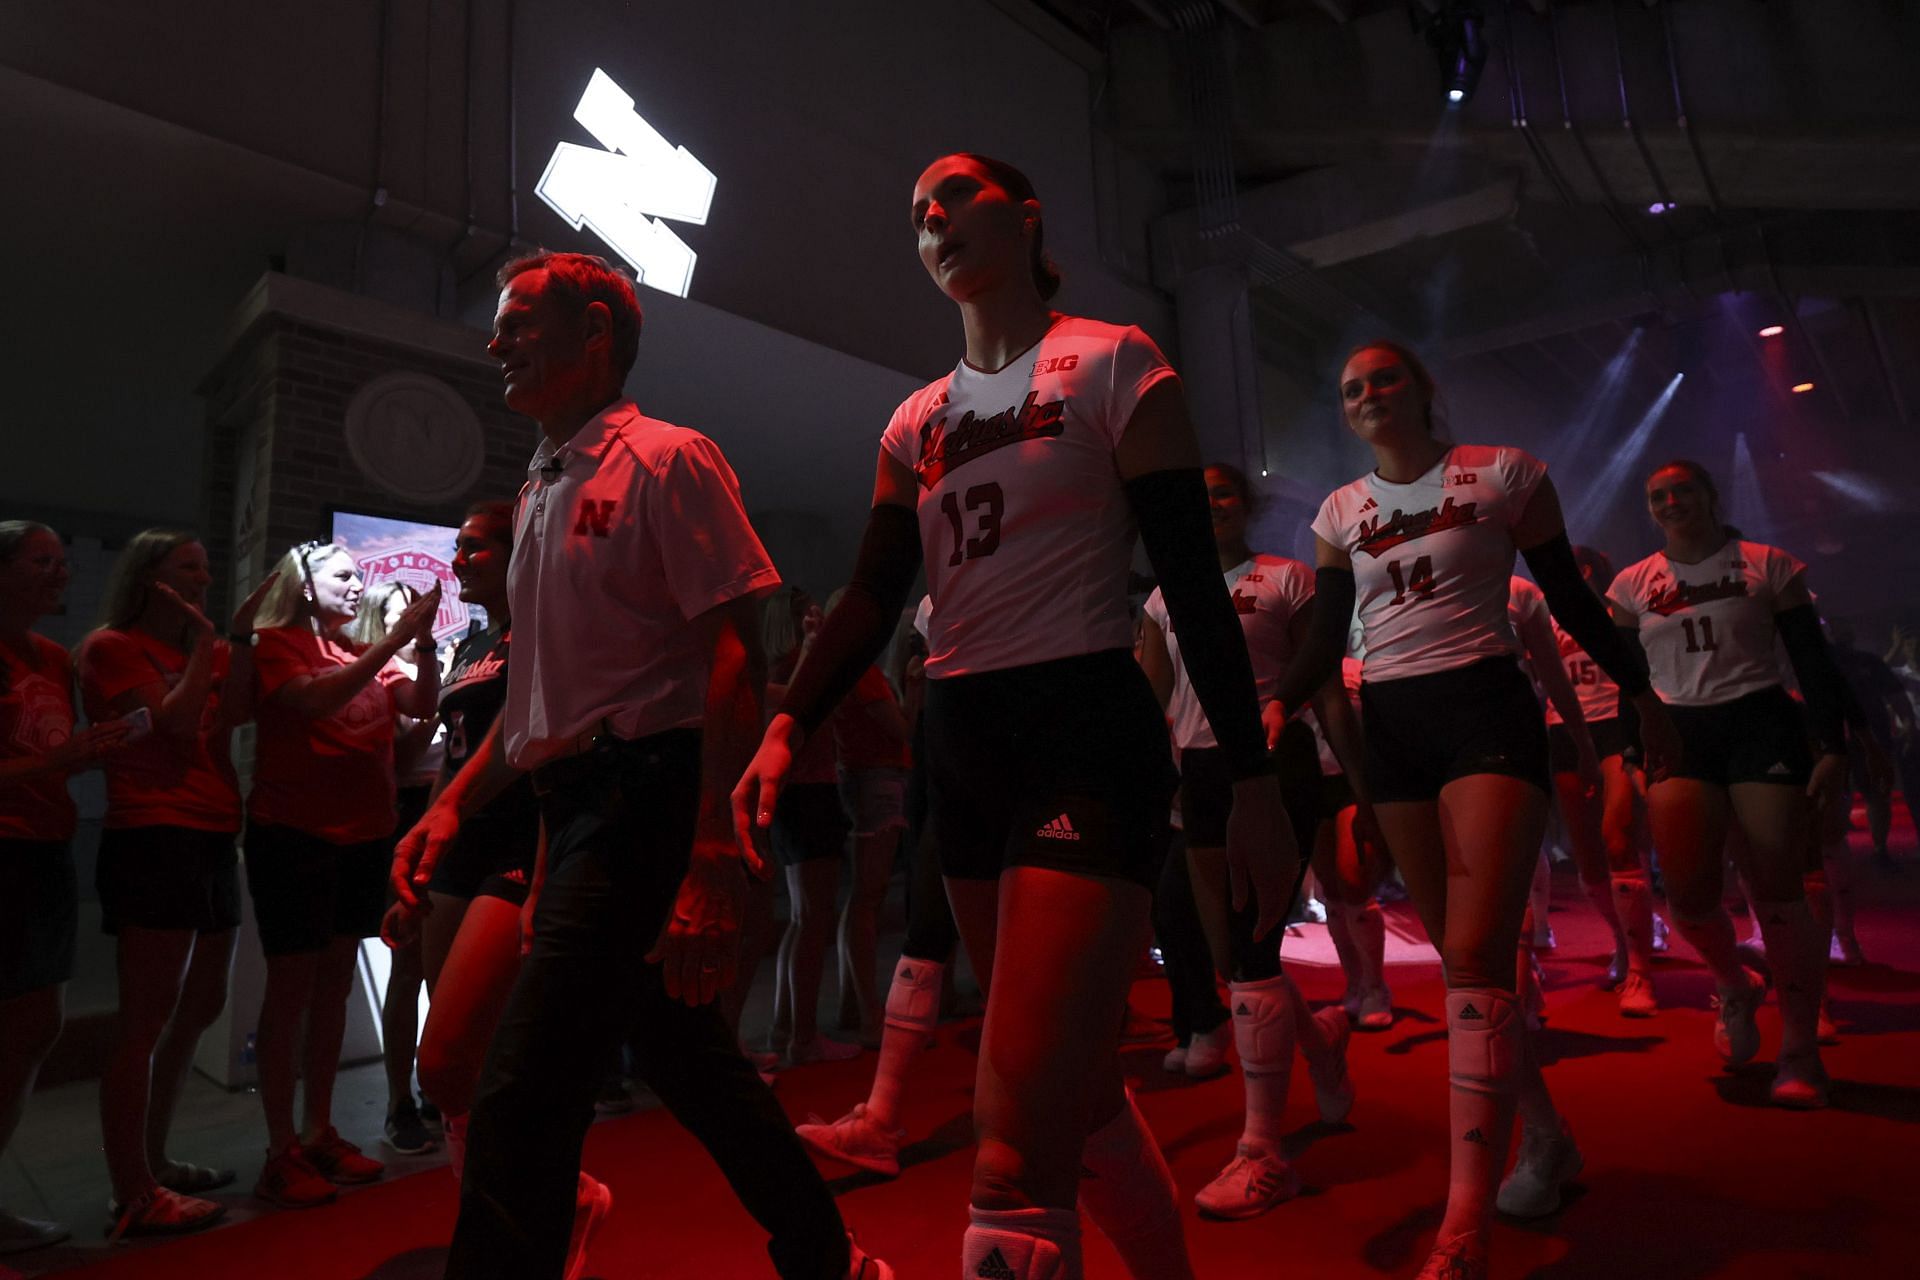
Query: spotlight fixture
[(1773, 331), (1457, 32), (1263, 471), (1801, 388)]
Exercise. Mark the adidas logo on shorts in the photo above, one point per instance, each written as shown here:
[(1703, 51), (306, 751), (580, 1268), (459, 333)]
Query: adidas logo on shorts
[(1058, 829), (1778, 770), (994, 1267)]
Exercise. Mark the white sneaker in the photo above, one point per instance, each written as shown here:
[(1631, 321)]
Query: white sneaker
[(1735, 1034), (854, 1139), (864, 1266), (1315, 911), (1845, 951), (1332, 1086), (18, 1235), (1800, 1082), (1254, 1181), (1548, 1161), (1543, 939), (1376, 1010), (1175, 1063), (1637, 998), (1207, 1051), (1660, 943), (1616, 969)]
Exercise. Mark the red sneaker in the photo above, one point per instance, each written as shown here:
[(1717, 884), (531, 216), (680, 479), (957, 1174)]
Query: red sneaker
[(340, 1161), (291, 1182), (592, 1205)]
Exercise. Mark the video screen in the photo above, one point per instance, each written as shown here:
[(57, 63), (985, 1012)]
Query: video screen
[(417, 554)]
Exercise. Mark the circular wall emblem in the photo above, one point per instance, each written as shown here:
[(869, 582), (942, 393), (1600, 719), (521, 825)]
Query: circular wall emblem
[(413, 435)]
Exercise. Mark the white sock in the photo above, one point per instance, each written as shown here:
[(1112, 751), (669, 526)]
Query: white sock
[(1633, 907), (1484, 1051), (454, 1129), (913, 1010), (1128, 1192), (1021, 1244), (1265, 1033), (1797, 953), (1712, 937)]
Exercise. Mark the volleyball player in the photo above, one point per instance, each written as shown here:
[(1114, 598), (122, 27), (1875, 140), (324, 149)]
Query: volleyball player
[(1024, 476), (1708, 608), (1456, 745), (1272, 596), (1603, 823)]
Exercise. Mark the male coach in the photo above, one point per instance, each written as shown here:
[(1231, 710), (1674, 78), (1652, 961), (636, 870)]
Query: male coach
[(633, 697)]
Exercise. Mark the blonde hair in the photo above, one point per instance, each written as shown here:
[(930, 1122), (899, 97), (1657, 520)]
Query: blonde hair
[(289, 601), (130, 585), (369, 625)]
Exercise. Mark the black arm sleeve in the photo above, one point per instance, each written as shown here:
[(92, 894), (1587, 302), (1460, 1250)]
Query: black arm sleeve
[(1326, 641), (1581, 613), (1171, 508), (853, 635), (1820, 679)]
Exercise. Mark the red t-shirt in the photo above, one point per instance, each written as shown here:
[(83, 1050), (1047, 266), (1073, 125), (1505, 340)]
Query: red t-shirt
[(160, 781), (331, 777), (36, 715), (858, 737)]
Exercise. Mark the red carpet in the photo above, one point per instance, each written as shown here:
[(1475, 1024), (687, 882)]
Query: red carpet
[(1688, 1172)]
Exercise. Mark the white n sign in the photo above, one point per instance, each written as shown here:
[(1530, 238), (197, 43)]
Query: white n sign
[(613, 192)]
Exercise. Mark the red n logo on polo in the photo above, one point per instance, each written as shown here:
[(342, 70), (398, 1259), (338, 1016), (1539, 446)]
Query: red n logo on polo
[(596, 518)]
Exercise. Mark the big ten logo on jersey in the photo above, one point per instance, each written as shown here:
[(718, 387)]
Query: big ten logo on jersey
[(594, 518), (1055, 364), (1459, 478)]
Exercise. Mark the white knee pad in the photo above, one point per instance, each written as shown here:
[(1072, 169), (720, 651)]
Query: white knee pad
[(913, 1000), (1483, 1040), (1263, 1030), (1021, 1244)]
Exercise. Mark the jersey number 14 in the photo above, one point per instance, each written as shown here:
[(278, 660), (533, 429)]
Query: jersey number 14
[(1420, 583)]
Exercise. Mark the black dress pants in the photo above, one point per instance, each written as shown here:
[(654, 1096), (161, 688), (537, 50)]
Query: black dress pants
[(620, 824)]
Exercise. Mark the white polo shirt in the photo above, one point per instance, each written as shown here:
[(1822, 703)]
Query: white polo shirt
[(622, 537)]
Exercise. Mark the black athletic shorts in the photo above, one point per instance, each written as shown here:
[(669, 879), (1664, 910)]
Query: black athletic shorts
[(39, 915), (1610, 738), (493, 855), (1756, 738), (168, 878), (307, 891), (1206, 786), (1426, 731), (1336, 794), (809, 823), (1062, 764)]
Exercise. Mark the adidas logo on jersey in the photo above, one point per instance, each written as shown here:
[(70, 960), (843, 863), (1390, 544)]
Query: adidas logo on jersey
[(1058, 829), (994, 1267)]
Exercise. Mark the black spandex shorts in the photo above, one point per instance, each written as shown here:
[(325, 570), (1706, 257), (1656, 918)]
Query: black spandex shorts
[(1336, 793), (168, 878), (1756, 738), (1206, 786), (307, 891), (1062, 764), (1426, 731), (809, 823), (39, 915), (494, 853), (1610, 738)]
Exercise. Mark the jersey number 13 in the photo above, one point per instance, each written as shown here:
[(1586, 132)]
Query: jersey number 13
[(984, 501)]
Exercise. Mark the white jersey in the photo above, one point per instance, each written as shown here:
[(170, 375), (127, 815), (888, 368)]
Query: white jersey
[(1432, 558), (1526, 603), (1268, 593), (1599, 695), (1026, 530), (1708, 628)]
